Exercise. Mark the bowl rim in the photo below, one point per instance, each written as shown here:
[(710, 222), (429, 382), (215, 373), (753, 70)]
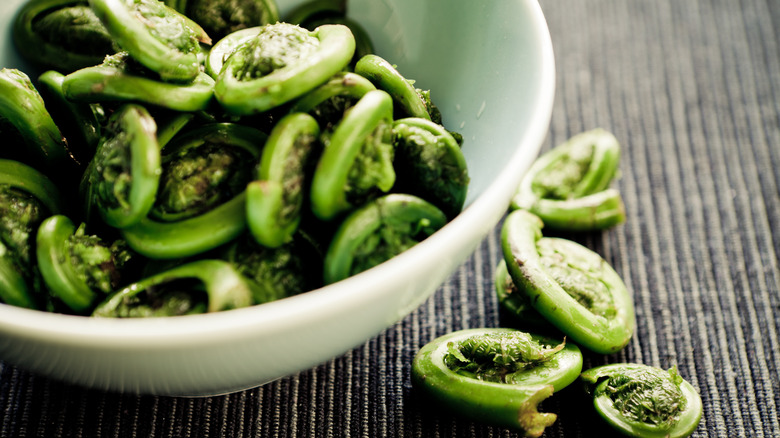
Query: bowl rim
[(151, 333)]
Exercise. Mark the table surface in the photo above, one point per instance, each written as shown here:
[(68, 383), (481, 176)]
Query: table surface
[(692, 91)]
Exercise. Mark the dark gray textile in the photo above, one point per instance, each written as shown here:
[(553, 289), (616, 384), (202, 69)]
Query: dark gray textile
[(691, 88)]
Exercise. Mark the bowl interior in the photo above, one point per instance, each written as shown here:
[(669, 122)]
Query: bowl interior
[(490, 70)]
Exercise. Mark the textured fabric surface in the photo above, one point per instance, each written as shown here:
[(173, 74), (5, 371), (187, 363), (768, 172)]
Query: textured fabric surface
[(692, 90)]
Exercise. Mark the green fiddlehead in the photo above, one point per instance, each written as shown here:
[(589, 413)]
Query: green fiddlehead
[(157, 36), (23, 108), (76, 267), (121, 180), (378, 231), (80, 122), (279, 64), (201, 201), (409, 101), (430, 164), (27, 197), (286, 270), (568, 284), (279, 193), (66, 35), (497, 376), (568, 187), (315, 13), (643, 401), (121, 79), (329, 102), (357, 163), (515, 303)]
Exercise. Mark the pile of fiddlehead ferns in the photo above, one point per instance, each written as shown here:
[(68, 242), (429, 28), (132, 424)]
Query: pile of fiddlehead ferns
[(558, 287), (189, 156)]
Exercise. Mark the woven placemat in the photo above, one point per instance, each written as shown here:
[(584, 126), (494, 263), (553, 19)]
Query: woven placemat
[(692, 91)]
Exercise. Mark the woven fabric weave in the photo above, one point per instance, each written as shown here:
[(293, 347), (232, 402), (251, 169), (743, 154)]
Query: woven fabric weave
[(692, 91)]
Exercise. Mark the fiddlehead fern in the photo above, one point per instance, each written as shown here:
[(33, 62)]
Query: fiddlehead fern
[(378, 231), (66, 35), (121, 180), (644, 401), (76, 267), (498, 376), (568, 284), (120, 78), (568, 187), (201, 203), (155, 35), (357, 163), (27, 197), (430, 164), (281, 63), (278, 195)]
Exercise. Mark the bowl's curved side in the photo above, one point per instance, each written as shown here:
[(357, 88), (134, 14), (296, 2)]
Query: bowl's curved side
[(491, 70)]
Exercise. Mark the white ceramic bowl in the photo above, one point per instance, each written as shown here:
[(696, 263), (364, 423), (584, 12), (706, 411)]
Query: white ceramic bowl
[(491, 70)]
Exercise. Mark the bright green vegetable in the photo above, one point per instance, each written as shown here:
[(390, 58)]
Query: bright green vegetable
[(27, 197), (570, 285), (378, 231), (497, 376), (76, 267), (201, 200), (64, 35), (409, 101), (157, 36), (204, 168), (196, 287), (223, 48), (281, 63), (162, 146), (22, 107), (21, 213), (121, 180), (120, 78), (357, 163), (21, 176), (279, 193), (568, 187), (429, 164), (643, 401), (189, 237)]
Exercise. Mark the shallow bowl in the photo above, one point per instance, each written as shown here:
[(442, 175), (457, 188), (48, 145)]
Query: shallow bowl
[(490, 68)]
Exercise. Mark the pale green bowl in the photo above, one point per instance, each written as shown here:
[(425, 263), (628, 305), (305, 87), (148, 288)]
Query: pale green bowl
[(491, 70)]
